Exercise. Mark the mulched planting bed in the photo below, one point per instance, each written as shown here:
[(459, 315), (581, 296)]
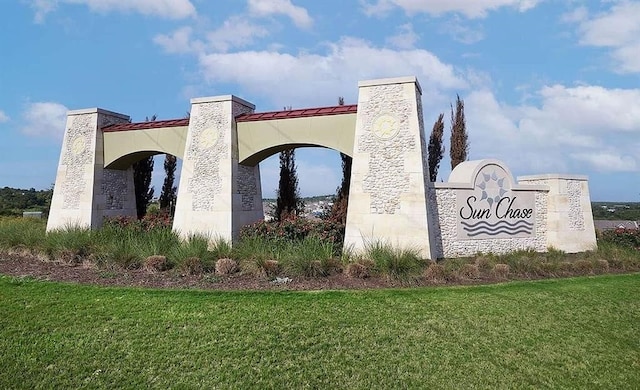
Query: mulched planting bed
[(26, 265)]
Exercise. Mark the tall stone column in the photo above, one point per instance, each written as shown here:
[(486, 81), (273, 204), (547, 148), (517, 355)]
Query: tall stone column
[(84, 191), (389, 176), (217, 195)]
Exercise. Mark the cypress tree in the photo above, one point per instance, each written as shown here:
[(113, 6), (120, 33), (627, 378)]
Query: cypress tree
[(459, 140), (288, 202), (436, 148), (168, 194)]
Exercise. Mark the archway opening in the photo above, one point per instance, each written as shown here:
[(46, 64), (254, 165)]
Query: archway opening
[(156, 177)]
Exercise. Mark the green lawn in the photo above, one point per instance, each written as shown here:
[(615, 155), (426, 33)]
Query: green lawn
[(566, 333)]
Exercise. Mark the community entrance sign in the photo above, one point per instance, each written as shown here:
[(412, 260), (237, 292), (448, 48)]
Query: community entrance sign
[(480, 208)]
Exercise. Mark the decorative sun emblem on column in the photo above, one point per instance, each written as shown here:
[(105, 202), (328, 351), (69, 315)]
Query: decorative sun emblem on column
[(492, 187), (385, 127), (78, 145), (208, 137)]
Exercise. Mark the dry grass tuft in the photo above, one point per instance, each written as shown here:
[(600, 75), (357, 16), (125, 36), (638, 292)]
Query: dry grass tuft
[(469, 271), (435, 273), (155, 263), (583, 267), (192, 266), (270, 267), (226, 266), (358, 271), (484, 263), (565, 268), (601, 266), (501, 271)]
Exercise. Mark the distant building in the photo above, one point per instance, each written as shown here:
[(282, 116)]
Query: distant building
[(602, 225)]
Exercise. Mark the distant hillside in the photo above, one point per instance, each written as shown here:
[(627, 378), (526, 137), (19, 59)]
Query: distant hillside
[(619, 211), (13, 201)]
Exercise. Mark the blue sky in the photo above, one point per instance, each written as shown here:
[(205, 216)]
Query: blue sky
[(549, 86)]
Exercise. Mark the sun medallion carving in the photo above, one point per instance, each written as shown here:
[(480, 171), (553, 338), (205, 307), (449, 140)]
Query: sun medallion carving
[(208, 137), (78, 145), (385, 127)]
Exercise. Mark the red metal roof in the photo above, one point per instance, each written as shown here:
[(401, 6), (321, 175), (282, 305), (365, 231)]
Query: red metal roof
[(147, 125), (300, 113), (258, 116)]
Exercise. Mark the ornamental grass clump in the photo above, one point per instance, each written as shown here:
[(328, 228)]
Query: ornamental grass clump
[(397, 263), (311, 257), (22, 232)]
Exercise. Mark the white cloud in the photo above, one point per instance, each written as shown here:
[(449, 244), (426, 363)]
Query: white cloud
[(179, 41), (470, 8), (608, 161), (298, 15), (235, 32), (461, 31), (46, 119), (311, 79), (617, 29), (171, 9), (406, 38), (3, 117), (571, 129)]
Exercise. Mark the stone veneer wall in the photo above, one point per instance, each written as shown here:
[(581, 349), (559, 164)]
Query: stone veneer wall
[(84, 191), (387, 199), (569, 213), (442, 205), (216, 196)]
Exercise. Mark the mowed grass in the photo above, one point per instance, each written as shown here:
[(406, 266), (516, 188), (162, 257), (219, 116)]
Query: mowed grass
[(564, 333)]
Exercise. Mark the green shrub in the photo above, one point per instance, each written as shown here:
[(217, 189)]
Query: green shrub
[(296, 229), (624, 237)]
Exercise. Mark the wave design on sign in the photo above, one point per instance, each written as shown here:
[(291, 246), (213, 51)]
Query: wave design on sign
[(493, 229)]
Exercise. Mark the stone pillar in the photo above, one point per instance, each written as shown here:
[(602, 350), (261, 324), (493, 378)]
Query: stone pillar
[(216, 194), (570, 225), (389, 176), (84, 191)]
